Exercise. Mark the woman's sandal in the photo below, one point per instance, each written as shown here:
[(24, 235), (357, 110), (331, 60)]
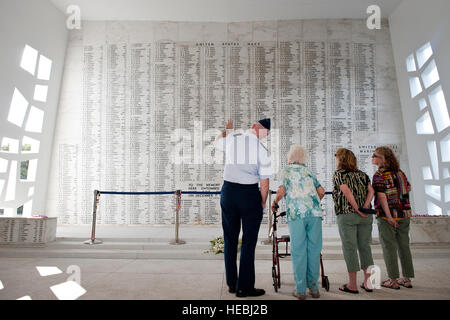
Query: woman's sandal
[(404, 283), (348, 290), (364, 287), (314, 293), (390, 284)]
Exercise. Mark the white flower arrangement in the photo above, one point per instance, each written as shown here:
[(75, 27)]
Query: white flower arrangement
[(218, 245)]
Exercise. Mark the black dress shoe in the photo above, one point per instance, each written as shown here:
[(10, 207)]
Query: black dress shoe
[(252, 293), (231, 290)]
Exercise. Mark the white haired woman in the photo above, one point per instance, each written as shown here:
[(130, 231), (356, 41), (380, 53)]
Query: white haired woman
[(302, 194)]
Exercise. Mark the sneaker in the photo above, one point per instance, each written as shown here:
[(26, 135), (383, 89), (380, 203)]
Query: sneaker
[(252, 293), (314, 293), (299, 296)]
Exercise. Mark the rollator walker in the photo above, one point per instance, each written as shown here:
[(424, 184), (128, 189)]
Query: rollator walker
[(276, 255)]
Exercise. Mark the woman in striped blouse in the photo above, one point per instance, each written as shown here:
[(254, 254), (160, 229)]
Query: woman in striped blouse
[(393, 216), (352, 191)]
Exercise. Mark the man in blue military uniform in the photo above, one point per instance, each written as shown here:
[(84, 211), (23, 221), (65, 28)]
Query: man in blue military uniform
[(247, 163)]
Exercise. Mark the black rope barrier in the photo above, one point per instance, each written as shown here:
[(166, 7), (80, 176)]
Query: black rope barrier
[(136, 193), (177, 193), (171, 192)]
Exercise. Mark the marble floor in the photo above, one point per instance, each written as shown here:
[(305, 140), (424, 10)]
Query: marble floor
[(153, 279)]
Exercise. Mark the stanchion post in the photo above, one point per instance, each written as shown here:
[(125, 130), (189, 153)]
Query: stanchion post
[(94, 218), (177, 217)]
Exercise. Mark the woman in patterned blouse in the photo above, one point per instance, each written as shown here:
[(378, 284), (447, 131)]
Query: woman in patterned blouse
[(393, 216), (302, 194), (352, 191)]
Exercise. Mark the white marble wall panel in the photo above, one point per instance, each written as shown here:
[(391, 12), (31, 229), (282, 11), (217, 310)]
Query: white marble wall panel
[(240, 31), (265, 31), (289, 30), (128, 85)]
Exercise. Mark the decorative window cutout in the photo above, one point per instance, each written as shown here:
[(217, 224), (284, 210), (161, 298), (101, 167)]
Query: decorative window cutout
[(445, 149), (427, 175), (9, 145), (26, 147), (424, 124), (28, 170), (3, 165), (29, 59), (11, 188), (430, 75), (30, 145), (432, 151), (32, 170), (433, 209), (45, 68), (8, 212), (2, 184), (24, 169), (40, 93), (27, 207), (433, 191), (423, 54), (422, 104), (415, 86), (411, 64), (439, 108), (18, 108), (446, 173), (35, 120)]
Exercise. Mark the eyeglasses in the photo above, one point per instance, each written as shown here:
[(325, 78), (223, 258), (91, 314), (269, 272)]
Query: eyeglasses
[(375, 156)]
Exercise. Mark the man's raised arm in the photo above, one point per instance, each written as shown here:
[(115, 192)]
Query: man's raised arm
[(228, 128)]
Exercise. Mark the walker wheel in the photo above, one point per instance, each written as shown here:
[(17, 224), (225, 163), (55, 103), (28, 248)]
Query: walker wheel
[(326, 283)]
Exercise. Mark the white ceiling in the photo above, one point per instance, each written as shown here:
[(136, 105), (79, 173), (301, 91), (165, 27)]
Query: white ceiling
[(225, 10)]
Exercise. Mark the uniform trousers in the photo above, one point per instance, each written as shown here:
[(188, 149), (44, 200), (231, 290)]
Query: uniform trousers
[(241, 204)]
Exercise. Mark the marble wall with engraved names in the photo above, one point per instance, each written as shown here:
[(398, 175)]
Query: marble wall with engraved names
[(128, 86)]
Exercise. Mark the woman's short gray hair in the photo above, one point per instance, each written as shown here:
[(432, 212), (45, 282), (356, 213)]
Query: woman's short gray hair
[(297, 154)]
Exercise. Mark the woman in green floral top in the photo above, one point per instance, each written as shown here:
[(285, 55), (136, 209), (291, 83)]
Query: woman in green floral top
[(302, 194)]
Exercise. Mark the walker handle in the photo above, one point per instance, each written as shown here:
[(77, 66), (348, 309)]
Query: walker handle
[(276, 208)]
